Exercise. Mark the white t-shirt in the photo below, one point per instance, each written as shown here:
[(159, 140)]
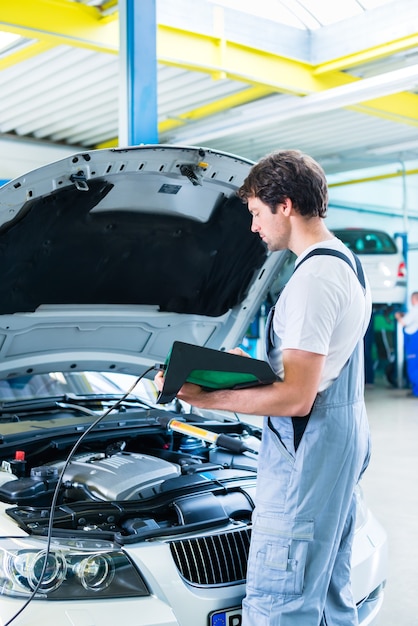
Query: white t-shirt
[(322, 309)]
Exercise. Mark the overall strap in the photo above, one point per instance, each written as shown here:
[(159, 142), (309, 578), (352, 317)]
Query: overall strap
[(300, 423), (339, 255)]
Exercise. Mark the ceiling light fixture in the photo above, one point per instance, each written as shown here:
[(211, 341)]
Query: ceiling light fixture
[(274, 109)]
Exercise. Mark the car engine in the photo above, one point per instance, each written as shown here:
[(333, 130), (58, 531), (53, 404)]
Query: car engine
[(121, 476), (138, 487)]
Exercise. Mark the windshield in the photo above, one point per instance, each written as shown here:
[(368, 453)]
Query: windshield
[(367, 241), (54, 384)]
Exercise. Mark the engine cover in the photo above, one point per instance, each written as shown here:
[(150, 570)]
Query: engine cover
[(120, 476)]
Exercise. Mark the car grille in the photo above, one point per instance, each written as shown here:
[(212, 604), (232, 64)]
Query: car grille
[(214, 559)]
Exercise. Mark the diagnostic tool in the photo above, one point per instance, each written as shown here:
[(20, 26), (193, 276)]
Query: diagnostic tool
[(211, 369)]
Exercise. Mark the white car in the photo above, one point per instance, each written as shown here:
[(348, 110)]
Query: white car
[(112, 505), (383, 263)]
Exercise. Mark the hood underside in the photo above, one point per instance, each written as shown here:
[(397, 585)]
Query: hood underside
[(117, 253)]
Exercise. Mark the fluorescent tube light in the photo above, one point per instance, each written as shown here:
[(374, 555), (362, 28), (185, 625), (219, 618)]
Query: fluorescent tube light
[(274, 109)]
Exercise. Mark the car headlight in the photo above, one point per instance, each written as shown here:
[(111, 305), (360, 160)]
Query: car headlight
[(74, 569)]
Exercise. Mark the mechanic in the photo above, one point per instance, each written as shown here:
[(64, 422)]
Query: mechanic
[(315, 443), (409, 321)]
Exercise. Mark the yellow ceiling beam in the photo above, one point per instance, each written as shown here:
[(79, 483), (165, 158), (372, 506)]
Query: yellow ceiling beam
[(215, 56), (368, 55), (372, 179), (111, 143), (58, 22), (401, 108), (269, 71), (61, 22), (24, 53), (77, 24), (223, 104)]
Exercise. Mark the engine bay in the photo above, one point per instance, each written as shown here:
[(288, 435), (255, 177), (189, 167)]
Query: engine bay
[(136, 483)]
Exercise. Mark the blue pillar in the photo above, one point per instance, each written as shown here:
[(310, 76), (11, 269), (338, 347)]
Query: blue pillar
[(138, 120), (399, 338)]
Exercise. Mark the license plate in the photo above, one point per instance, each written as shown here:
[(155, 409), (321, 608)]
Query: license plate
[(228, 617)]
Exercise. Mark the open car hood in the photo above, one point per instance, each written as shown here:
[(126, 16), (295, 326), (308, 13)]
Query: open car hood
[(109, 256)]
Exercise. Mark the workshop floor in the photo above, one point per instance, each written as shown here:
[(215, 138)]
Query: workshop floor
[(391, 490)]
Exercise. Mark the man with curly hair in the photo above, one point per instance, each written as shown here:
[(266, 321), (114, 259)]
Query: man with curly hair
[(315, 443)]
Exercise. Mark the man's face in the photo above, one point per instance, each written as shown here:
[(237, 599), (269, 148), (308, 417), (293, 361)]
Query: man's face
[(273, 228)]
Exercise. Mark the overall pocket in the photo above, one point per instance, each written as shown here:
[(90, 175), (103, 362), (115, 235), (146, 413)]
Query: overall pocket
[(279, 549)]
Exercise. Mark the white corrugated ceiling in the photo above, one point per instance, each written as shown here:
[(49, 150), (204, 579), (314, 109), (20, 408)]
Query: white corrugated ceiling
[(335, 79)]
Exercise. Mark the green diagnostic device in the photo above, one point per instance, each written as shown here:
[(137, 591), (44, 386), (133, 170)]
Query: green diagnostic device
[(211, 369)]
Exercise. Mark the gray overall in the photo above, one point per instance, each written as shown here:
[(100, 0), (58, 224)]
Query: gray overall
[(303, 524)]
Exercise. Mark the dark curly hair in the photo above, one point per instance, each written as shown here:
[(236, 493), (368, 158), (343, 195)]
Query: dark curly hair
[(288, 174)]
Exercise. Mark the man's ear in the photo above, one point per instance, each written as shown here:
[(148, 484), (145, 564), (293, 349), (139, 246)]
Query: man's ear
[(286, 207)]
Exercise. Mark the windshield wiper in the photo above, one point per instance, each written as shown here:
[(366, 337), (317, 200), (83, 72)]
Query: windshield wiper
[(33, 404), (67, 401)]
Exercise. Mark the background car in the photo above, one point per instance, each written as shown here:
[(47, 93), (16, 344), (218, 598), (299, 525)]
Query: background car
[(382, 261), (111, 502)]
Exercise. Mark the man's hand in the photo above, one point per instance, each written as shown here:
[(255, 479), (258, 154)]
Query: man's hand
[(191, 394), (159, 380), (239, 352), (188, 393)]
